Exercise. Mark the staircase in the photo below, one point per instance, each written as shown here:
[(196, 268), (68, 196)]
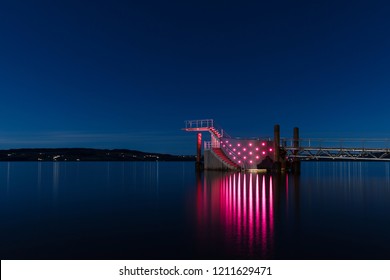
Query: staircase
[(208, 125), (221, 155), (215, 132)]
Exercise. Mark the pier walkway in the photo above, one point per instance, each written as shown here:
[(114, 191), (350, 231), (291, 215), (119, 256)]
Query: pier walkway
[(337, 149)]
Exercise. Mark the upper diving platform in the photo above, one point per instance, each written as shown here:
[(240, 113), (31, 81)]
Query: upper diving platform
[(198, 125)]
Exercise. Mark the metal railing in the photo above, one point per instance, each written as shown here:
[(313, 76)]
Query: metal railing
[(205, 123), (342, 149), (208, 145), (358, 143)]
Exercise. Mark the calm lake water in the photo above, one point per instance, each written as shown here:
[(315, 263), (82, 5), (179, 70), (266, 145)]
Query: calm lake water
[(165, 210)]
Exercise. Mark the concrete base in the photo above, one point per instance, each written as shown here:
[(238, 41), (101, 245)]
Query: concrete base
[(212, 162)]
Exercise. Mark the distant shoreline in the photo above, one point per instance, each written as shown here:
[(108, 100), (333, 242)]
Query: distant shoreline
[(86, 154)]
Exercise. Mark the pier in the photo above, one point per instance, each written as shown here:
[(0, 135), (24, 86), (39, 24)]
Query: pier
[(224, 152)]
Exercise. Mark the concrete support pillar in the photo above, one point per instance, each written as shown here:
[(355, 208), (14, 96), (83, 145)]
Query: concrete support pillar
[(296, 163), (199, 151)]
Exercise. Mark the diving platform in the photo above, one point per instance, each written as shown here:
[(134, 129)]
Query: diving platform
[(224, 152)]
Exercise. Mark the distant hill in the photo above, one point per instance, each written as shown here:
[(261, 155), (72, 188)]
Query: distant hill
[(85, 154)]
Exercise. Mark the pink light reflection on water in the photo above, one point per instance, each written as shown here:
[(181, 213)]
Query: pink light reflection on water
[(227, 200), (263, 217), (244, 217), (271, 207), (235, 208), (251, 241), (257, 210), (239, 225), (239, 206)]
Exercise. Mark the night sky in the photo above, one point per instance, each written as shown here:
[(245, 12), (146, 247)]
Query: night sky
[(126, 74)]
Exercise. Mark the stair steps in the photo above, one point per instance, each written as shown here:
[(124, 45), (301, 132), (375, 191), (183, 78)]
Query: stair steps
[(215, 131), (224, 158)]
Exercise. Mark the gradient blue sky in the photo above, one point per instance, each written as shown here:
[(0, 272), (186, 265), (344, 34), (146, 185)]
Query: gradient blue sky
[(126, 74)]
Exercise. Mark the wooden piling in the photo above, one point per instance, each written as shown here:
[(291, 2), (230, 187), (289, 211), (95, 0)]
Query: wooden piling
[(277, 164)]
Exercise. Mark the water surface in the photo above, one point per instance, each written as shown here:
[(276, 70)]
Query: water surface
[(165, 210)]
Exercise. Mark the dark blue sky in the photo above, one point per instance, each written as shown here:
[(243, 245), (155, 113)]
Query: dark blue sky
[(126, 74)]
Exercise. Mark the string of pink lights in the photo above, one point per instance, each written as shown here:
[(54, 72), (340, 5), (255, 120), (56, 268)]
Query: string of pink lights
[(251, 151)]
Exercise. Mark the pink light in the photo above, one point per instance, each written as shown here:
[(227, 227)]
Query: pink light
[(239, 153), (263, 153), (257, 149), (244, 149), (224, 146), (238, 145), (257, 157), (263, 144), (250, 153), (226, 141), (234, 149), (234, 157), (250, 161), (244, 157), (239, 161), (230, 153), (270, 149), (250, 144), (230, 145)]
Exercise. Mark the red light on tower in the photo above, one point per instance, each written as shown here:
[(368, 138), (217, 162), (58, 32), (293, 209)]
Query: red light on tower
[(257, 149), (263, 153), (238, 145), (263, 144), (250, 144)]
